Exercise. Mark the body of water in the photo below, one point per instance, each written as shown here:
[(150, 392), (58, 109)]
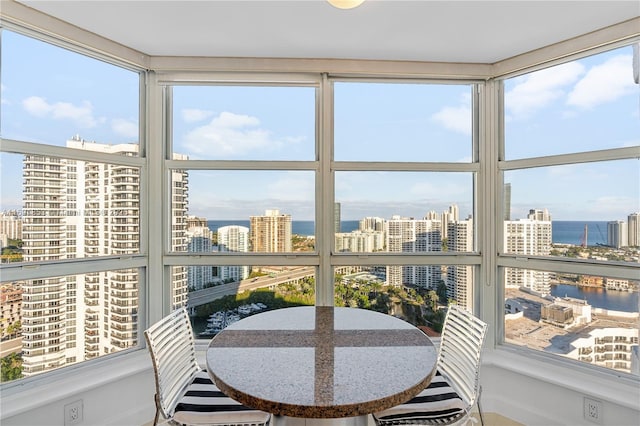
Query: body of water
[(599, 298), (299, 227), (573, 232), (563, 231)]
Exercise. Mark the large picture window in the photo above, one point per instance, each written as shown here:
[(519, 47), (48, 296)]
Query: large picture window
[(70, 207), (571, 210)]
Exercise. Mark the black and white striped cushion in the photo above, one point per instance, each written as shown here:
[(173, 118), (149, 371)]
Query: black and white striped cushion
[(204, 403), (438, 403)]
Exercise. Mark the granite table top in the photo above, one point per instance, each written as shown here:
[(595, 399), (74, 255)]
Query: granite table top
[(321, 362)]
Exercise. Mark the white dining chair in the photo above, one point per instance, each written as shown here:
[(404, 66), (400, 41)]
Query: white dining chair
[(185, 393), (454, 388)]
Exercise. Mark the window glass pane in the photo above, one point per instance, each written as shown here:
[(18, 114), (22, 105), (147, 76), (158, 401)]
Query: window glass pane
[(53, 322), (51, 95), (584, 105), (57, 208), (403, 212), (250, 211), (416, 293), (402, 122), (583, 210), (592, 319), (244, 122), (221, 295)]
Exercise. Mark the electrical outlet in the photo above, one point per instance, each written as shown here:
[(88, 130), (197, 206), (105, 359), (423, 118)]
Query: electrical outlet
[(73, 413), (593, 410)]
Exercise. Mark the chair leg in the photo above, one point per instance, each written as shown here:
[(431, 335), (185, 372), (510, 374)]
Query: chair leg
[(155, 418), (480, 408)]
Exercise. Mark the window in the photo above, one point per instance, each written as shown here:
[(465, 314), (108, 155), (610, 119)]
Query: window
[(571, 209), (243, 170), (68, 201), (298, 188), (399, 196)]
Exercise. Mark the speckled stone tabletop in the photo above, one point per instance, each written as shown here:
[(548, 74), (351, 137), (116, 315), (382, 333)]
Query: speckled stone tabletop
[(321, 362)]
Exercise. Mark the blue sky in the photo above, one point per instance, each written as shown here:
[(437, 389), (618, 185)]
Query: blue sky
[(50, 94)]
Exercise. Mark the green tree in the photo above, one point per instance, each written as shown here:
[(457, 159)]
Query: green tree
[(432, 300), (442, 292), (11, 367)]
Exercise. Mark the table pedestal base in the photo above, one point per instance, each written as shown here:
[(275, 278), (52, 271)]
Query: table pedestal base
[(296, 421)]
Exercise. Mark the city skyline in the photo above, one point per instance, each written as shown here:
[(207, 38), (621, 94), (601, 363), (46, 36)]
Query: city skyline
[(549, 112)]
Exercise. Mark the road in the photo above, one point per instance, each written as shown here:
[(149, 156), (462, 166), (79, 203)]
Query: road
[(200, 297), (10, 346)]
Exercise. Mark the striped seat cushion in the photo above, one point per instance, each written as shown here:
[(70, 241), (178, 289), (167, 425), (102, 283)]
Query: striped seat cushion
[(204, 403), (438, 403)]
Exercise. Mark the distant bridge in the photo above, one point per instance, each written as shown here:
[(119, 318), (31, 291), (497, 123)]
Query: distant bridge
[(200, 297)]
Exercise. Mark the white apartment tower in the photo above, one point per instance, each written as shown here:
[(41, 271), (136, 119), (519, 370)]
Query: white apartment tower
[(198, 241), (633, 224), (270, 233), (360, 241), (460, 278), (617, 234), (372, 224), (531, 236), (452, 214), (75, 209), (405, 235), (235, 239), (11, 225)]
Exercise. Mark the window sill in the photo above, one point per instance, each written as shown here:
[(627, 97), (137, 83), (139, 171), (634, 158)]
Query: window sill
[(618, 388), (21, 396)]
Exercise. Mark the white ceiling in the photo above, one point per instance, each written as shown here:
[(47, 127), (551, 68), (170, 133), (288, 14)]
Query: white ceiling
[(420, 30)]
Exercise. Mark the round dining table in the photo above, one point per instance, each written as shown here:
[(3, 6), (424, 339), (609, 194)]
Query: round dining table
[(321, 362)]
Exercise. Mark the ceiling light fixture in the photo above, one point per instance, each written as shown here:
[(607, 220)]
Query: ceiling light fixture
[(345, 4)]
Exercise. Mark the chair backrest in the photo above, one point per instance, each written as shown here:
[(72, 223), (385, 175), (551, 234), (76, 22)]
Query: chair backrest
[(172, 347), (460, 349)]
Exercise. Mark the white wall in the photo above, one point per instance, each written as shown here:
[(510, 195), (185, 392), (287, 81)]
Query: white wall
[(119, 392), (547, 393)]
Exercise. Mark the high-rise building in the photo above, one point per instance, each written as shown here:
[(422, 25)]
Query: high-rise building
[(372, 224), (196, 222), (270, 233), (507, 201), (11, 225), (198, 241), (10, 309), (617, 234), (75, 209), (233, 238), (633, 224), (450, 215), (337, 224), (407, 235), (460, 277), (359, 241), (531, 236)]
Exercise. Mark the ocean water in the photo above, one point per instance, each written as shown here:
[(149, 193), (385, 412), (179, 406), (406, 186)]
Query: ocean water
[(299, 227), (572, 232), (563, 231), (600, 298)]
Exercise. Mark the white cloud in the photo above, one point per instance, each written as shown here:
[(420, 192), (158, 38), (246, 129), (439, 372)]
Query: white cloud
[(293, 186), (434, 190), (537, 90), (229, 135), (191, 115), (126, 128), (457, 119), (604, 83), (82, 115)]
